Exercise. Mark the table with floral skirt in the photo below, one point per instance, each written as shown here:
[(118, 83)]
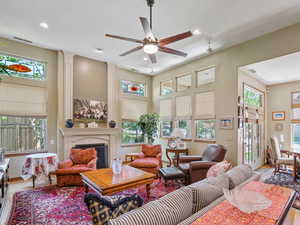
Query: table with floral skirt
[(39, 166)]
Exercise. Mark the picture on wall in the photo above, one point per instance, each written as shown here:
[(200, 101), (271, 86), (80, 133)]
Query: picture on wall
[(278, 115), (89, 110), (226, 123)]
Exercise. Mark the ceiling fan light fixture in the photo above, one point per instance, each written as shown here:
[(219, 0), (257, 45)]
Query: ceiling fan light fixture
[(150, 48)]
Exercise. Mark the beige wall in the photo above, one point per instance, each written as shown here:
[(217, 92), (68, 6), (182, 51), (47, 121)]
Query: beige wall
[(50, 57), (227, 62), (90, 79), (280, 100)]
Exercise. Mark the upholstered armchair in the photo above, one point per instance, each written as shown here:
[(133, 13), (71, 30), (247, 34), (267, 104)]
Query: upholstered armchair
[(81, 160), (149, 159), (196, 167)]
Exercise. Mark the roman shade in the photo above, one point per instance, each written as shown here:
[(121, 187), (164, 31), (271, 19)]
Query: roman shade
[(296, 107), (23, 100), (183, 107), (205, 105), (133, 109), (165, 109)]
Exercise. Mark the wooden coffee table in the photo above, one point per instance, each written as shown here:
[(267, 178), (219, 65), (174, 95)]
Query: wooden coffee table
[(105, 182)]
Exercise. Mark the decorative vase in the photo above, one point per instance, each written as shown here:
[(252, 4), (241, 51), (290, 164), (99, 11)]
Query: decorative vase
[(116, 166), (69, 123), (112, 124)]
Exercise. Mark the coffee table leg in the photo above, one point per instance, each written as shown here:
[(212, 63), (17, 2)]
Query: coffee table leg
[(148, 190)]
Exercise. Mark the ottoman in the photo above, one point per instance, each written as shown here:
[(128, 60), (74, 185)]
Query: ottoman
[(171, 173)]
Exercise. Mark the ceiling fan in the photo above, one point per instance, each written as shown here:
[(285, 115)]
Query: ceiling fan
[(151, 44)]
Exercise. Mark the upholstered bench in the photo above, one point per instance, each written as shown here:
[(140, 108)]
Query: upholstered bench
[(171, 173)]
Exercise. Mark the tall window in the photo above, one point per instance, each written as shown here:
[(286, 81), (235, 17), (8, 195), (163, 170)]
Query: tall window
[(205, 130), (133, 88), (253, 97), (187, 126), (20, 67), (296, 120), (296, 136), (22, 134), (166, 128), (166, 87), (131, 133), (184, 82)]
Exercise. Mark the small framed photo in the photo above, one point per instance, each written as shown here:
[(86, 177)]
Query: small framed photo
[(226, 123), (280, 115)]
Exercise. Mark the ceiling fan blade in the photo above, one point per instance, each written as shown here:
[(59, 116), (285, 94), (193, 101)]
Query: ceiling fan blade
[(174, 38), (172, 51), (147, 29), (132, 50), (124, 38), (152, 58)]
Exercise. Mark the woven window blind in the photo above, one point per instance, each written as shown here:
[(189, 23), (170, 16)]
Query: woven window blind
[(183, 107), (133, 109), (165, 109), (22, 100), (296, 107), (205, 105)]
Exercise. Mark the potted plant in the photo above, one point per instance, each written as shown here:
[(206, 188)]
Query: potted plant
[(149, 125)]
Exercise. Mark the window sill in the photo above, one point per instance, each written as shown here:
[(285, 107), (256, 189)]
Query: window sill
[(205, 141), (16, 154), (131, 145)]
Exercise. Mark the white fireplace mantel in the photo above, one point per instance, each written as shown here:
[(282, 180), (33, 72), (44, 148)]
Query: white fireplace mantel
[(76, 136)]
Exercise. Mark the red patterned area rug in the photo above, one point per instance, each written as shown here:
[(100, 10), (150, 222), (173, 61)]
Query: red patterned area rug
[(52, 205)]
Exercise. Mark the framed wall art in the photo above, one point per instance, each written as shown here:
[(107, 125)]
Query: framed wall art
[(277, 116)]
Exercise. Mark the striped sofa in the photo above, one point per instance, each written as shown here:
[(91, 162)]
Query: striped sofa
[(187, 204)]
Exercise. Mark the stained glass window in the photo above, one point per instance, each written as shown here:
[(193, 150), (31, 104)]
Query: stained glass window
[(134, 88), (21, 67)]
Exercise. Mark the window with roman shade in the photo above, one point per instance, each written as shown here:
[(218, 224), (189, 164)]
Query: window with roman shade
[(296, 107), (205, 105), (23, 118), (165, 109)]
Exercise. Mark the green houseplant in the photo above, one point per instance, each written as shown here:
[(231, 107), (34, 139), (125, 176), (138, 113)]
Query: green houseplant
[(149, 125)]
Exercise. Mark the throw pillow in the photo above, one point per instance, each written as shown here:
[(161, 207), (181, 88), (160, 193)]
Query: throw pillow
[(151, 150), (218, 169), (238, 175), (104, 208)]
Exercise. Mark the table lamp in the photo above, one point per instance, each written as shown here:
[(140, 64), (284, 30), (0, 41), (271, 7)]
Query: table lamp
[(178, 134)]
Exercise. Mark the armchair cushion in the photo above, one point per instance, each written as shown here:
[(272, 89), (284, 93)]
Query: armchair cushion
[(83, 156), (145, 163), (65, 164), (214, 152), (201, 164), (189, 158), (151, 150), (72, 171)]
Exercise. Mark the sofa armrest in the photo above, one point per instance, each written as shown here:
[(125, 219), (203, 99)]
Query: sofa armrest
[(92, 164), (201, 165), (189, 158), (65, 164)]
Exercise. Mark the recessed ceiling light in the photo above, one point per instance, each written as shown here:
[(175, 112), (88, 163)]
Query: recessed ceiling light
[(99, 50), (145, 59), (196, 32), (44, 25)]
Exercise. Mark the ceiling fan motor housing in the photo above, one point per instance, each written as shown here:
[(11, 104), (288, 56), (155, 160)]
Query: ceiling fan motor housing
[(150, 3)]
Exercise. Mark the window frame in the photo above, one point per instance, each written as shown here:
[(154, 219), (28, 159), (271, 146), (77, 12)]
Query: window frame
[(181, 76), (131, 94), (29, 59), (197, 139), (292, 135), (19, 152), (203, 70), (160, 87), (129, 144), (294, 106), (161, 127), (187, 138)]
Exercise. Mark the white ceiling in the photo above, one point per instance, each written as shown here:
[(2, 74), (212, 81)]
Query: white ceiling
[(80, 26), (278, 70)]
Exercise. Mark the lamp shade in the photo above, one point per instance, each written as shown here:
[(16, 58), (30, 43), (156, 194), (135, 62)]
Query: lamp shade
[(178, 133)]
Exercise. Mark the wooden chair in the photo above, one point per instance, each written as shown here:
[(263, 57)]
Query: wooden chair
[(278, 159)]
